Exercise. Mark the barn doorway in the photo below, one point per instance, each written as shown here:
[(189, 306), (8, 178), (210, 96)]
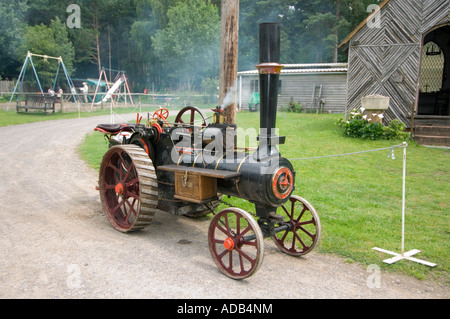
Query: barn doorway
[(434, 90)]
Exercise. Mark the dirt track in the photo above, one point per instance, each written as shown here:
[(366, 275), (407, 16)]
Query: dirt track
[(56, 243)]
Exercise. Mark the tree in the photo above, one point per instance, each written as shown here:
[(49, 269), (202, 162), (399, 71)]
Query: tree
[(141, 31), (143, 57), (189, 45), (320, 31), (349, 13), (168, 41), (12, 14), (44, 11), (92, 14), (105, 35), (252, 13), (160, 9), (310, 30)]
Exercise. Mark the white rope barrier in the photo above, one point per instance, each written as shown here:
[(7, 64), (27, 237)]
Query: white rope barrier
[(391, 154), (403, 255)]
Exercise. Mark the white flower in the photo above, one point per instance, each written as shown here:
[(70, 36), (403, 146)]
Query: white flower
[(381, 116), (362, 109), (365, 117)]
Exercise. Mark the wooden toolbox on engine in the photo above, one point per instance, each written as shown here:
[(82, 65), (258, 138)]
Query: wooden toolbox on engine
[(196, 185)]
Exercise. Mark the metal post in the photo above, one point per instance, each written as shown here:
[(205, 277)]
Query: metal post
[(408, 255), (37, 78), (127, 89), (56, 76), (96, 90), (404, 200), (19, 79), (73, 91), (240, 93)]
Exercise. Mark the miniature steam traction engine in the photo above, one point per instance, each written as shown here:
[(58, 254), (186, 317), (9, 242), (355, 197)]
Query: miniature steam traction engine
[(185, 167)]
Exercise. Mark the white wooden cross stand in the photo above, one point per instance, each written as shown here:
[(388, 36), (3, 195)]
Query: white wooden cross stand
[(408, 255)]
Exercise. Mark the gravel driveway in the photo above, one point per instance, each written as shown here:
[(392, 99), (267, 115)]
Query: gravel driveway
[(57, 243)]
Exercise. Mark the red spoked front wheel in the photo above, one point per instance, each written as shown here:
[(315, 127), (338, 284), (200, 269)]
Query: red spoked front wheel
[(305, 228), (236, 243), (128, 188)]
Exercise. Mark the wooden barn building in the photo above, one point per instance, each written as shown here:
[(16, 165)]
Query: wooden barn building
[(402, 51), (317, 87)]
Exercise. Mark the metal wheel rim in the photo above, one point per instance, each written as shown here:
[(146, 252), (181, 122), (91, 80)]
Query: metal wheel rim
[(245, 258), (128, 197), (193, 111), (305, 230)]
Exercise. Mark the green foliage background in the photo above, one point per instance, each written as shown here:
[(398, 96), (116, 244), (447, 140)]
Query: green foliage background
[(167, 45)]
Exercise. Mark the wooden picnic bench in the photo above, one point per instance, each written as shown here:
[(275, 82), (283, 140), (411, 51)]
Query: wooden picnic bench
[(37, 102)]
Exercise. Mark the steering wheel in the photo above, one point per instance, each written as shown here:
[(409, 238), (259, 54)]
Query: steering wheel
[(161, 114)]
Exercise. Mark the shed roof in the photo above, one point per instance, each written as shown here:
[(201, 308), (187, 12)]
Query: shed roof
[(309, 68)]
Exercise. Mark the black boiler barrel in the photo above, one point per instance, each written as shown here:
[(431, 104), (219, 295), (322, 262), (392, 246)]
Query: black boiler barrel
[(269, 182)]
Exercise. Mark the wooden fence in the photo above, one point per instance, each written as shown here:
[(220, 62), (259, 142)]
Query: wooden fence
[(6, 87), (137, 101)]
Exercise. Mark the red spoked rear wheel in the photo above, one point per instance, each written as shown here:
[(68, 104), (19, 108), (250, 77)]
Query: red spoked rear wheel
[(236, 243), (128, 188)]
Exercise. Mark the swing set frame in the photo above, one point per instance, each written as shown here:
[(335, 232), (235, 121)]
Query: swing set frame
[(29, 59)]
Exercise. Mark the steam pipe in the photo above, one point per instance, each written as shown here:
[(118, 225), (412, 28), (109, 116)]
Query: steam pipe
[(269, 76)]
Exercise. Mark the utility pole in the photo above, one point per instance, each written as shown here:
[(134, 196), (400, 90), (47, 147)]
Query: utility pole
[(229, 42)]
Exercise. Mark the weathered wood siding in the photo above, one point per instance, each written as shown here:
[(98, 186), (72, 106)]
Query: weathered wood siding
[(300, 88), (386, 59)]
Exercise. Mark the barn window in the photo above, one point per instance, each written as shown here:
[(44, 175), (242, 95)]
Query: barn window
[(254, 86)]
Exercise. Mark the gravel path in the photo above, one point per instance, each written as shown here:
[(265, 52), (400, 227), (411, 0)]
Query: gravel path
[(56, 242)]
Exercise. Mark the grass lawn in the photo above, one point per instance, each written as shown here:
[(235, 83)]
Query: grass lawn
[(359, 197)]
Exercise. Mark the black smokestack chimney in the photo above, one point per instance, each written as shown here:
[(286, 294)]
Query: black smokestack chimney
[(269, 76)]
